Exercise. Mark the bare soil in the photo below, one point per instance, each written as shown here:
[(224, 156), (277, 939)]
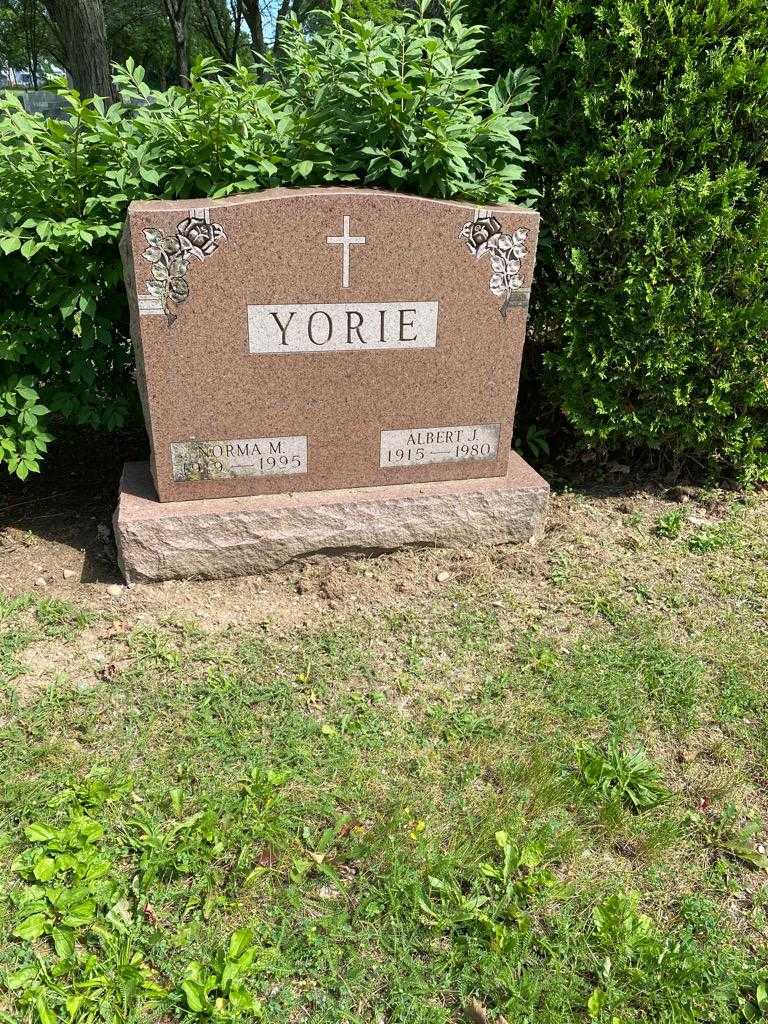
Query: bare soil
[(56, 538)]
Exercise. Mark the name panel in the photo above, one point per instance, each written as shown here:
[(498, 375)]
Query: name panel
[(223, 460), (419, 446), (342, 327)]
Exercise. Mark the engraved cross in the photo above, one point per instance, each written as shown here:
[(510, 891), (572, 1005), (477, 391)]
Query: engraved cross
[(345, 240)]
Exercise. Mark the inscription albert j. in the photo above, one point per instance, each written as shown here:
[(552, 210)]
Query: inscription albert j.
[(342, 326), (420, 446)]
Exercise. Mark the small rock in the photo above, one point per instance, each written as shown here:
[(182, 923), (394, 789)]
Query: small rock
[(115, 590), (682, 493), (41, 582), (443, 576), (69, 574)]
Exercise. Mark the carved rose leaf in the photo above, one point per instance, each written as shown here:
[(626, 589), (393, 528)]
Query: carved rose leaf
[(179, 289), (502, 284), (504, 265), (153, 254)]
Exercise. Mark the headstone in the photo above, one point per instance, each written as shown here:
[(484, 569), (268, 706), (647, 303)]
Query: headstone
[(325, 348), (49, 104)]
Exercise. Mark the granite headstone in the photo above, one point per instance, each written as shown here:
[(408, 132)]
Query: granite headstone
[(324, 340)]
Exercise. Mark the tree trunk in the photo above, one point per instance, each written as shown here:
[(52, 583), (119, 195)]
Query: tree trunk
[(80, 23), (282, 12), (178, 16), (31, 40), (181, 50), (221, 23), (255, 23)]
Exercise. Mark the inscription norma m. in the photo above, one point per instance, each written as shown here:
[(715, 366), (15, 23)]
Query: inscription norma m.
[(254, 456), (342, 327), (420, 446)]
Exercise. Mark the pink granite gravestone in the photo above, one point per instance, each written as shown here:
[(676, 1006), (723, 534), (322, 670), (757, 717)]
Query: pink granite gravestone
[(321, 369)]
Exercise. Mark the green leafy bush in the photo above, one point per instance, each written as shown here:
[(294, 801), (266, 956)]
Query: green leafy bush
[(399, 106), (651, 301)]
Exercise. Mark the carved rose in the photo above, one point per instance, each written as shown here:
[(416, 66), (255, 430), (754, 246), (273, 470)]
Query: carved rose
[(199, 238), (479, 232)]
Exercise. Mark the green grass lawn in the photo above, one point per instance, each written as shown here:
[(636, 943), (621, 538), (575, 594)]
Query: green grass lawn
[(535, 792)]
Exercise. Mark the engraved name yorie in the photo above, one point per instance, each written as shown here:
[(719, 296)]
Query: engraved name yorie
[(342, 326)]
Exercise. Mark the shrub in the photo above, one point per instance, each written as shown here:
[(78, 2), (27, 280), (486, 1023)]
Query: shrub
[(399, 106), (650, 156)]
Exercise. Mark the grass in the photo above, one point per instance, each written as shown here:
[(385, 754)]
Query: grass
[(531, 799)]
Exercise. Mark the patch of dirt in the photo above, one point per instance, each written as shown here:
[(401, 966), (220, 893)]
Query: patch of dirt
[(77, 660), (56, 540)]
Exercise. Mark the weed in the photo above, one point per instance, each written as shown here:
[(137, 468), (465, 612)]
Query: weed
[(493, 900), (183, 847), (536, 441), (729, 835), (69, 881), (708, 539), (644, 971), (627, 777), (217, 991), (670, 524)]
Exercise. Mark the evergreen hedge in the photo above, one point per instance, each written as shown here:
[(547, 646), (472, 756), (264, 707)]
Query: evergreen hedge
[(650, 156)]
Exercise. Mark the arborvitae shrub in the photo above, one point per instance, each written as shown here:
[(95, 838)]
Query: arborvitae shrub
[(650, 156), (402, 106)]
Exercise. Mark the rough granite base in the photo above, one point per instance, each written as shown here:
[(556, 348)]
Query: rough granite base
[(219, 538)]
